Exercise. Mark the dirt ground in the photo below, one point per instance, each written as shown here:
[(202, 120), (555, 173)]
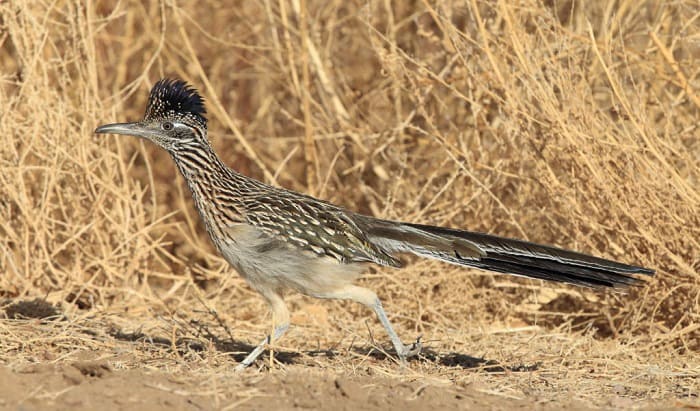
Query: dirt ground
[(71, 365), (93, 385), (566, 122), (90, 385)]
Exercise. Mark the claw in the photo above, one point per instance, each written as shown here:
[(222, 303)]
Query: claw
[(412, 350), (415, 348)]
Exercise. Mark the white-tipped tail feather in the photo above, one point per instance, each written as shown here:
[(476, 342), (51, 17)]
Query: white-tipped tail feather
[(502, 255)]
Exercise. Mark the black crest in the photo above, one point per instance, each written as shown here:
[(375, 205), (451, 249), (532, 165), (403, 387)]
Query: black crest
[(175, 98)]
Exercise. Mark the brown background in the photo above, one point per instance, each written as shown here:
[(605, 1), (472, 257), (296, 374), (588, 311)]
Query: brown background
[(567, 123)]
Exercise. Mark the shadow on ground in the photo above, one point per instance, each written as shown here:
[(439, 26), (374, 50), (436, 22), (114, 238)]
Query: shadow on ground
[(238, 350)]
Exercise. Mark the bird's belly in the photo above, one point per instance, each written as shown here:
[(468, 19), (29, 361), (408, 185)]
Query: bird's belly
[(271, 264)]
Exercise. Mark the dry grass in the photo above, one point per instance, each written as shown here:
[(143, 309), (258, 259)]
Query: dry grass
[(559, 123)]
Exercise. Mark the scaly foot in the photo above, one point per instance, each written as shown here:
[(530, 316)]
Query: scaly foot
[(412, 350)]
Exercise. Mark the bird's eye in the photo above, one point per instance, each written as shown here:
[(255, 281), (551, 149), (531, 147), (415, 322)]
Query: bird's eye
[(167, 126)]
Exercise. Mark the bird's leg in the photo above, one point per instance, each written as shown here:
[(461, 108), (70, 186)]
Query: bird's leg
[(370, 299), (403, 351), (280, 319)]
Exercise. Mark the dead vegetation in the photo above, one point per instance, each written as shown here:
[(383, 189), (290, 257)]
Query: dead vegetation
[(566, 123)]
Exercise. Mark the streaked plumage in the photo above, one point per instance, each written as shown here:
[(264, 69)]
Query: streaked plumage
[(279, 239)]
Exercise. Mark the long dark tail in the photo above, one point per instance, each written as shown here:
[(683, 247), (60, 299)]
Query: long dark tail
[(503, 255)]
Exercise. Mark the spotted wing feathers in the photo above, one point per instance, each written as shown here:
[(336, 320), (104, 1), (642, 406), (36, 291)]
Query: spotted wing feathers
[(315, 226)]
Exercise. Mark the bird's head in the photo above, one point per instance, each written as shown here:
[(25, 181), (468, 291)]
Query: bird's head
[(175, 117)]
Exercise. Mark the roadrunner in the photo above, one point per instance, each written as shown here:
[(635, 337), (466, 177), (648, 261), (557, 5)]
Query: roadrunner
[(281, 240)]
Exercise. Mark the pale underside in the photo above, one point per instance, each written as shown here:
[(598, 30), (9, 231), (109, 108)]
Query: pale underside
[(272, 265)]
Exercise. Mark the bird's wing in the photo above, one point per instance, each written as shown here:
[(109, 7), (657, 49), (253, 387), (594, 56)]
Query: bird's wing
[(314, 225)]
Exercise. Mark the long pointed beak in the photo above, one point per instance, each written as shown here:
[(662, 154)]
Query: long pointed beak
[(129, 129)]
